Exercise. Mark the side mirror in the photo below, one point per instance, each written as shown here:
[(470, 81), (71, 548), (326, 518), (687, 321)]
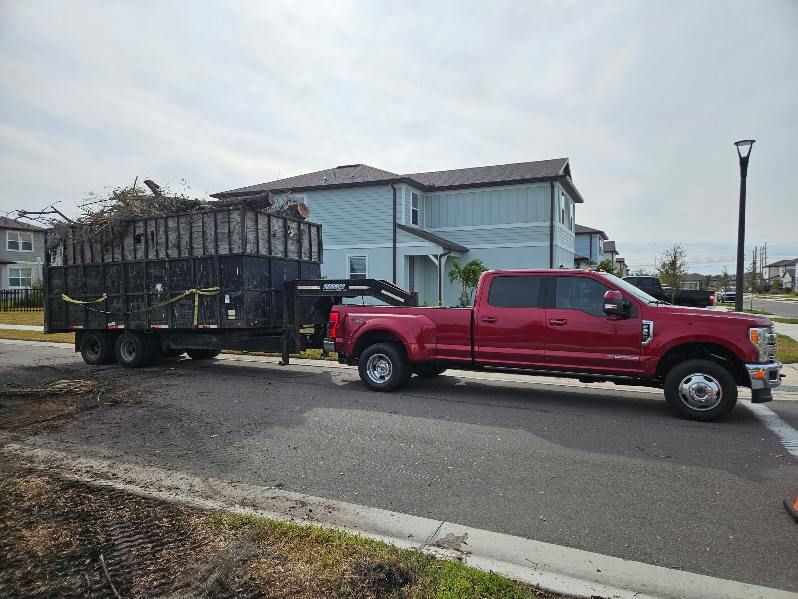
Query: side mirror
[(615, 304)]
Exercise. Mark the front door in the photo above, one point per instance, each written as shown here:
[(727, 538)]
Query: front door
[(581, 338), (510, 326)]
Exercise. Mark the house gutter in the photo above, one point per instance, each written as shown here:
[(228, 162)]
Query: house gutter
[(551, 225), (393, 188)]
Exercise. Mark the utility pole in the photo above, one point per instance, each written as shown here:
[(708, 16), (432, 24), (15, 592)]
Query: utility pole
[(743, 153)]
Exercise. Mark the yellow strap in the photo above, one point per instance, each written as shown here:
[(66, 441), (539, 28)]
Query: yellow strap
[(66, 298), (195, 292)]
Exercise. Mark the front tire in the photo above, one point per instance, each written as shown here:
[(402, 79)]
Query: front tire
[(383, 367), (700, 390), (96, 348), (133, 350)]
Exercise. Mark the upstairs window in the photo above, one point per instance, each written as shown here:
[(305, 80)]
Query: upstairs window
[(19, 242), (414, 203), (357, 267)]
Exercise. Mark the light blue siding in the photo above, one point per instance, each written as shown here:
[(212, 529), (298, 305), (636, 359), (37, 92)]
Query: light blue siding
[(504, 236), (357, 214), (485, 206), (582, 245)]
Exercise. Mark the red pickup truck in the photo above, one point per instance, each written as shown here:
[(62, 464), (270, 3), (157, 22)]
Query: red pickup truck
[(587, 325)]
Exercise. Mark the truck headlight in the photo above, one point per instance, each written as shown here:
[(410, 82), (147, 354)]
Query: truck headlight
[(760, 337)]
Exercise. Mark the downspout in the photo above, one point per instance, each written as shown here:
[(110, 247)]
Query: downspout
[(441, 270), (393, 279), (551, 226)]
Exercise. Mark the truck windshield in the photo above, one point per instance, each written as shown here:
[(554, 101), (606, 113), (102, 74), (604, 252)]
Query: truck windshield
[(629, 288)]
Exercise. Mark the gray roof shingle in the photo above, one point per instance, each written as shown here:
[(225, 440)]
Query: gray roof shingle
[(361, 174), (583, 229), (432, 237), (10, 223)]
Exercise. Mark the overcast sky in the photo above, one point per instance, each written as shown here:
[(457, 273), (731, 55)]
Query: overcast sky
[(645, 98)]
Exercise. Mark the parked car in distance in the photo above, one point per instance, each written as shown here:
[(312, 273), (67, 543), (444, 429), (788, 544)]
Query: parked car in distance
[(727, 294), (696, 298), (587, 325)]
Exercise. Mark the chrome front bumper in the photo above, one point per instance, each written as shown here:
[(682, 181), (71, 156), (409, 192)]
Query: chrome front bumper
[(764, 376)]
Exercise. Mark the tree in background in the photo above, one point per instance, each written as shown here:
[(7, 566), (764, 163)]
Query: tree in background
[(468, 277), (641, 272), (607, 265), (672, 268), (725, 278)]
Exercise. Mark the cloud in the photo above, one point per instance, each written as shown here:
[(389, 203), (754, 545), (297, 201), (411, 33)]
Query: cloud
[(646, 100)]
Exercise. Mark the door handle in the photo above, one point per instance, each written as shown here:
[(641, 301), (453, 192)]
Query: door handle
[(558, 322), (488, 319)]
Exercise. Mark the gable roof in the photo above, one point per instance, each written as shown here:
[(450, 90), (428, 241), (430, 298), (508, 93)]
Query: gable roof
[(354, 175), (10, 223), (784, 262), (583, 229), (341, 176), (436, 239)]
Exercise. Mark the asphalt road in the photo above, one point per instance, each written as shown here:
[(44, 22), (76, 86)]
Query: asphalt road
[(787, 309), (608, 471)]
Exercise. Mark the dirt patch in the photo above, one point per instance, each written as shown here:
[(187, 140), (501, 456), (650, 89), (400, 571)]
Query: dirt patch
[(42, 394)]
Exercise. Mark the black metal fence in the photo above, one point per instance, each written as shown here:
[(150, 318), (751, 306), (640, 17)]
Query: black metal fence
[(21, 300)]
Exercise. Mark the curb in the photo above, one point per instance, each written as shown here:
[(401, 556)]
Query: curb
[(551, 567)]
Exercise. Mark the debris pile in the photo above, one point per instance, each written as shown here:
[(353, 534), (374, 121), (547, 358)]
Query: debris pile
[(111, 214)]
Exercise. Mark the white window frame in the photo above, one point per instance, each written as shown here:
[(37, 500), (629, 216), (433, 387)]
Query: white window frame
[(20, 277), (349, 265), (19, 240), (415, 210)]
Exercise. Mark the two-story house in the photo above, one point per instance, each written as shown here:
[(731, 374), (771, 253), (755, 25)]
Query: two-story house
[(408, 228), (21, 254), (783, 270), (589, 246)]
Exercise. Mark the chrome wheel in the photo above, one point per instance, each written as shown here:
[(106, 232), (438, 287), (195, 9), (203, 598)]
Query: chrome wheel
[(127, 349), (379, 368), (700, 391)]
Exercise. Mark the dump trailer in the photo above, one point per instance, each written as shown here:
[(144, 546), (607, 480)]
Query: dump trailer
[(195, 282)]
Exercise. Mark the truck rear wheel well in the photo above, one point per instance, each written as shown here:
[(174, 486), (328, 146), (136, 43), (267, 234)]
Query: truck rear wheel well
[(373, 337), (706, 351)]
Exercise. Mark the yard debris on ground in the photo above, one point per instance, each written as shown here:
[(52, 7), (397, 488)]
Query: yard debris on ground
[(71, 539)]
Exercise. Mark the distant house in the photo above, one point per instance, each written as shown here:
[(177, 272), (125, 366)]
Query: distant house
[(696, 280), (588, 246), (21, 254), (408, 228), (621, 267), (784, 271)]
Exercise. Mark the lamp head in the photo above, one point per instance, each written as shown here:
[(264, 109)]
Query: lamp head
[(744, 147)]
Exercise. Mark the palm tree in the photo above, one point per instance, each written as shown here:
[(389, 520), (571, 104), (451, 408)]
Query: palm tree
[(468, 276)]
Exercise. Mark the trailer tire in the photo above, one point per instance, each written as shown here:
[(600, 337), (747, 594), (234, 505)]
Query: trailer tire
[(428, 370), (133, 350), (203, 354), (700, 390), (96, 348), (384, 367)]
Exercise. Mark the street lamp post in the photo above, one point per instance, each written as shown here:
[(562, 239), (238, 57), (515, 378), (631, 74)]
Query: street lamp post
[(743, 152)]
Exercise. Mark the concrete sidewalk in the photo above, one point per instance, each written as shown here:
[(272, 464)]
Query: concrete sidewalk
[(22, 327)]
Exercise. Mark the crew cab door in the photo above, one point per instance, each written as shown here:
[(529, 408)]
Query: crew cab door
[(581, 338), (510, 321)]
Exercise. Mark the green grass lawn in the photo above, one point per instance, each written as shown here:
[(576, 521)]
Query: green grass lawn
[(784, 320), (33, 318), (787, 351)]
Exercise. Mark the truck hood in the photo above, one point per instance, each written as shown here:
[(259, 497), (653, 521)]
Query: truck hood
[(719, 316)]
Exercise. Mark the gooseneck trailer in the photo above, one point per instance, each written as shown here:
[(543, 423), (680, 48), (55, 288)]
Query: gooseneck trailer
[(195, 282)]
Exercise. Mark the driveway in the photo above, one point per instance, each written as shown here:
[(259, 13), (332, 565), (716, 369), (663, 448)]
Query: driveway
[(607, 470)]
